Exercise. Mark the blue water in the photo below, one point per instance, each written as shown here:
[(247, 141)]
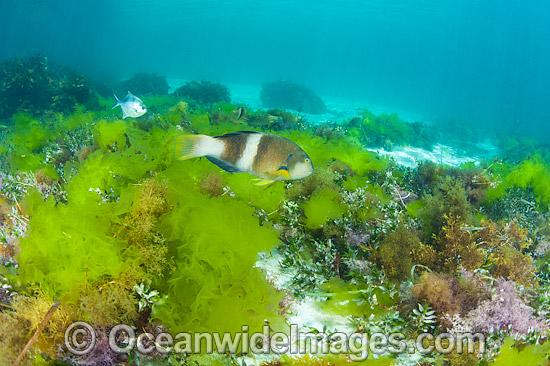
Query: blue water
[(473, 63)]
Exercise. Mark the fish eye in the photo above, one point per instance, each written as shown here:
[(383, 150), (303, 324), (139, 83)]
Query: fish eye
[(307, 161)]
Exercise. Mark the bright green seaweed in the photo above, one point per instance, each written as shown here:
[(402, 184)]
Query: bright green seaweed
[(113, 218)]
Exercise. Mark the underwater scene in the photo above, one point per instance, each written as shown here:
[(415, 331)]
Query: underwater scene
[(239, 183)]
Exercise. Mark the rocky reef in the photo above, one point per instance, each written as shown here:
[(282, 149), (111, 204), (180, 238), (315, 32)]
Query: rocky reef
[(204, 92), (99, 223), (35, 85), (144, 83), (289, 95)]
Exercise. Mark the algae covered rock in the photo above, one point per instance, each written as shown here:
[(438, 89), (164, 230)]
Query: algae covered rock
[(288, 95), (35, 85), (144, 83), (204, 93)]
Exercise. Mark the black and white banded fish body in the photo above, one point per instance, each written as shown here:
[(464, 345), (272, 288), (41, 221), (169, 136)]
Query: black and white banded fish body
[(269, 157)]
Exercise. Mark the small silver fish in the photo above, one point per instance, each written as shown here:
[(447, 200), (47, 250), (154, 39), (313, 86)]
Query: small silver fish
[(131, 106)]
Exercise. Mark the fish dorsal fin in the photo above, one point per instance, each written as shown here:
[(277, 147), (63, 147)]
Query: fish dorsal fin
[(238, 133), (222, 164)]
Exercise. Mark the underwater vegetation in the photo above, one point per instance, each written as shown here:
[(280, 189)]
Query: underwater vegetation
[(204, 92), (388, 130), (271, 120), (289, 95), (144, 83), (100, 223), (35, 85)]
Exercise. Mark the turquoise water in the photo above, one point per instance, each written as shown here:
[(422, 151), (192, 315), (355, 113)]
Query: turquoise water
[(404, 190), (473, 63)]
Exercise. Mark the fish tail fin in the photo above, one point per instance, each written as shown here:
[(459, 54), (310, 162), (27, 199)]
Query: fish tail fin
[(117, 101), (186, 146)]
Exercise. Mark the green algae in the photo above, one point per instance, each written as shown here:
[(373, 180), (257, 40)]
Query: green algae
[(532, 173), (199, 249), (111, 135), (78, 235), (85, 245), (536, 355), (355, 299), (324, 152), (321, 207), (216, 240)]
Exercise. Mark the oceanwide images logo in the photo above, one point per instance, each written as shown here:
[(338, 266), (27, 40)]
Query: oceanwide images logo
[(80, 339)]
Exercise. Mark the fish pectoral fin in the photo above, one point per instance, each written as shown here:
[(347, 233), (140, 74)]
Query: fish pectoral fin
[(263, 182), (281, 172)]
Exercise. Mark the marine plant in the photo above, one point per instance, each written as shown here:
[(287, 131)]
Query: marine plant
[(17, 326), (348, 151), (101, 353), (143, 83), (449, 295), (324, 178), (134, 237), (519, 205), (424, 178), (505, 311), (139, 228), (213, 276), (288, 121), (35, 85), (396, 250), (330, 131), (321, 207), (388, 130), (449, 198), (532, 173), (515, 352), (497, 248), (205, 93)]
